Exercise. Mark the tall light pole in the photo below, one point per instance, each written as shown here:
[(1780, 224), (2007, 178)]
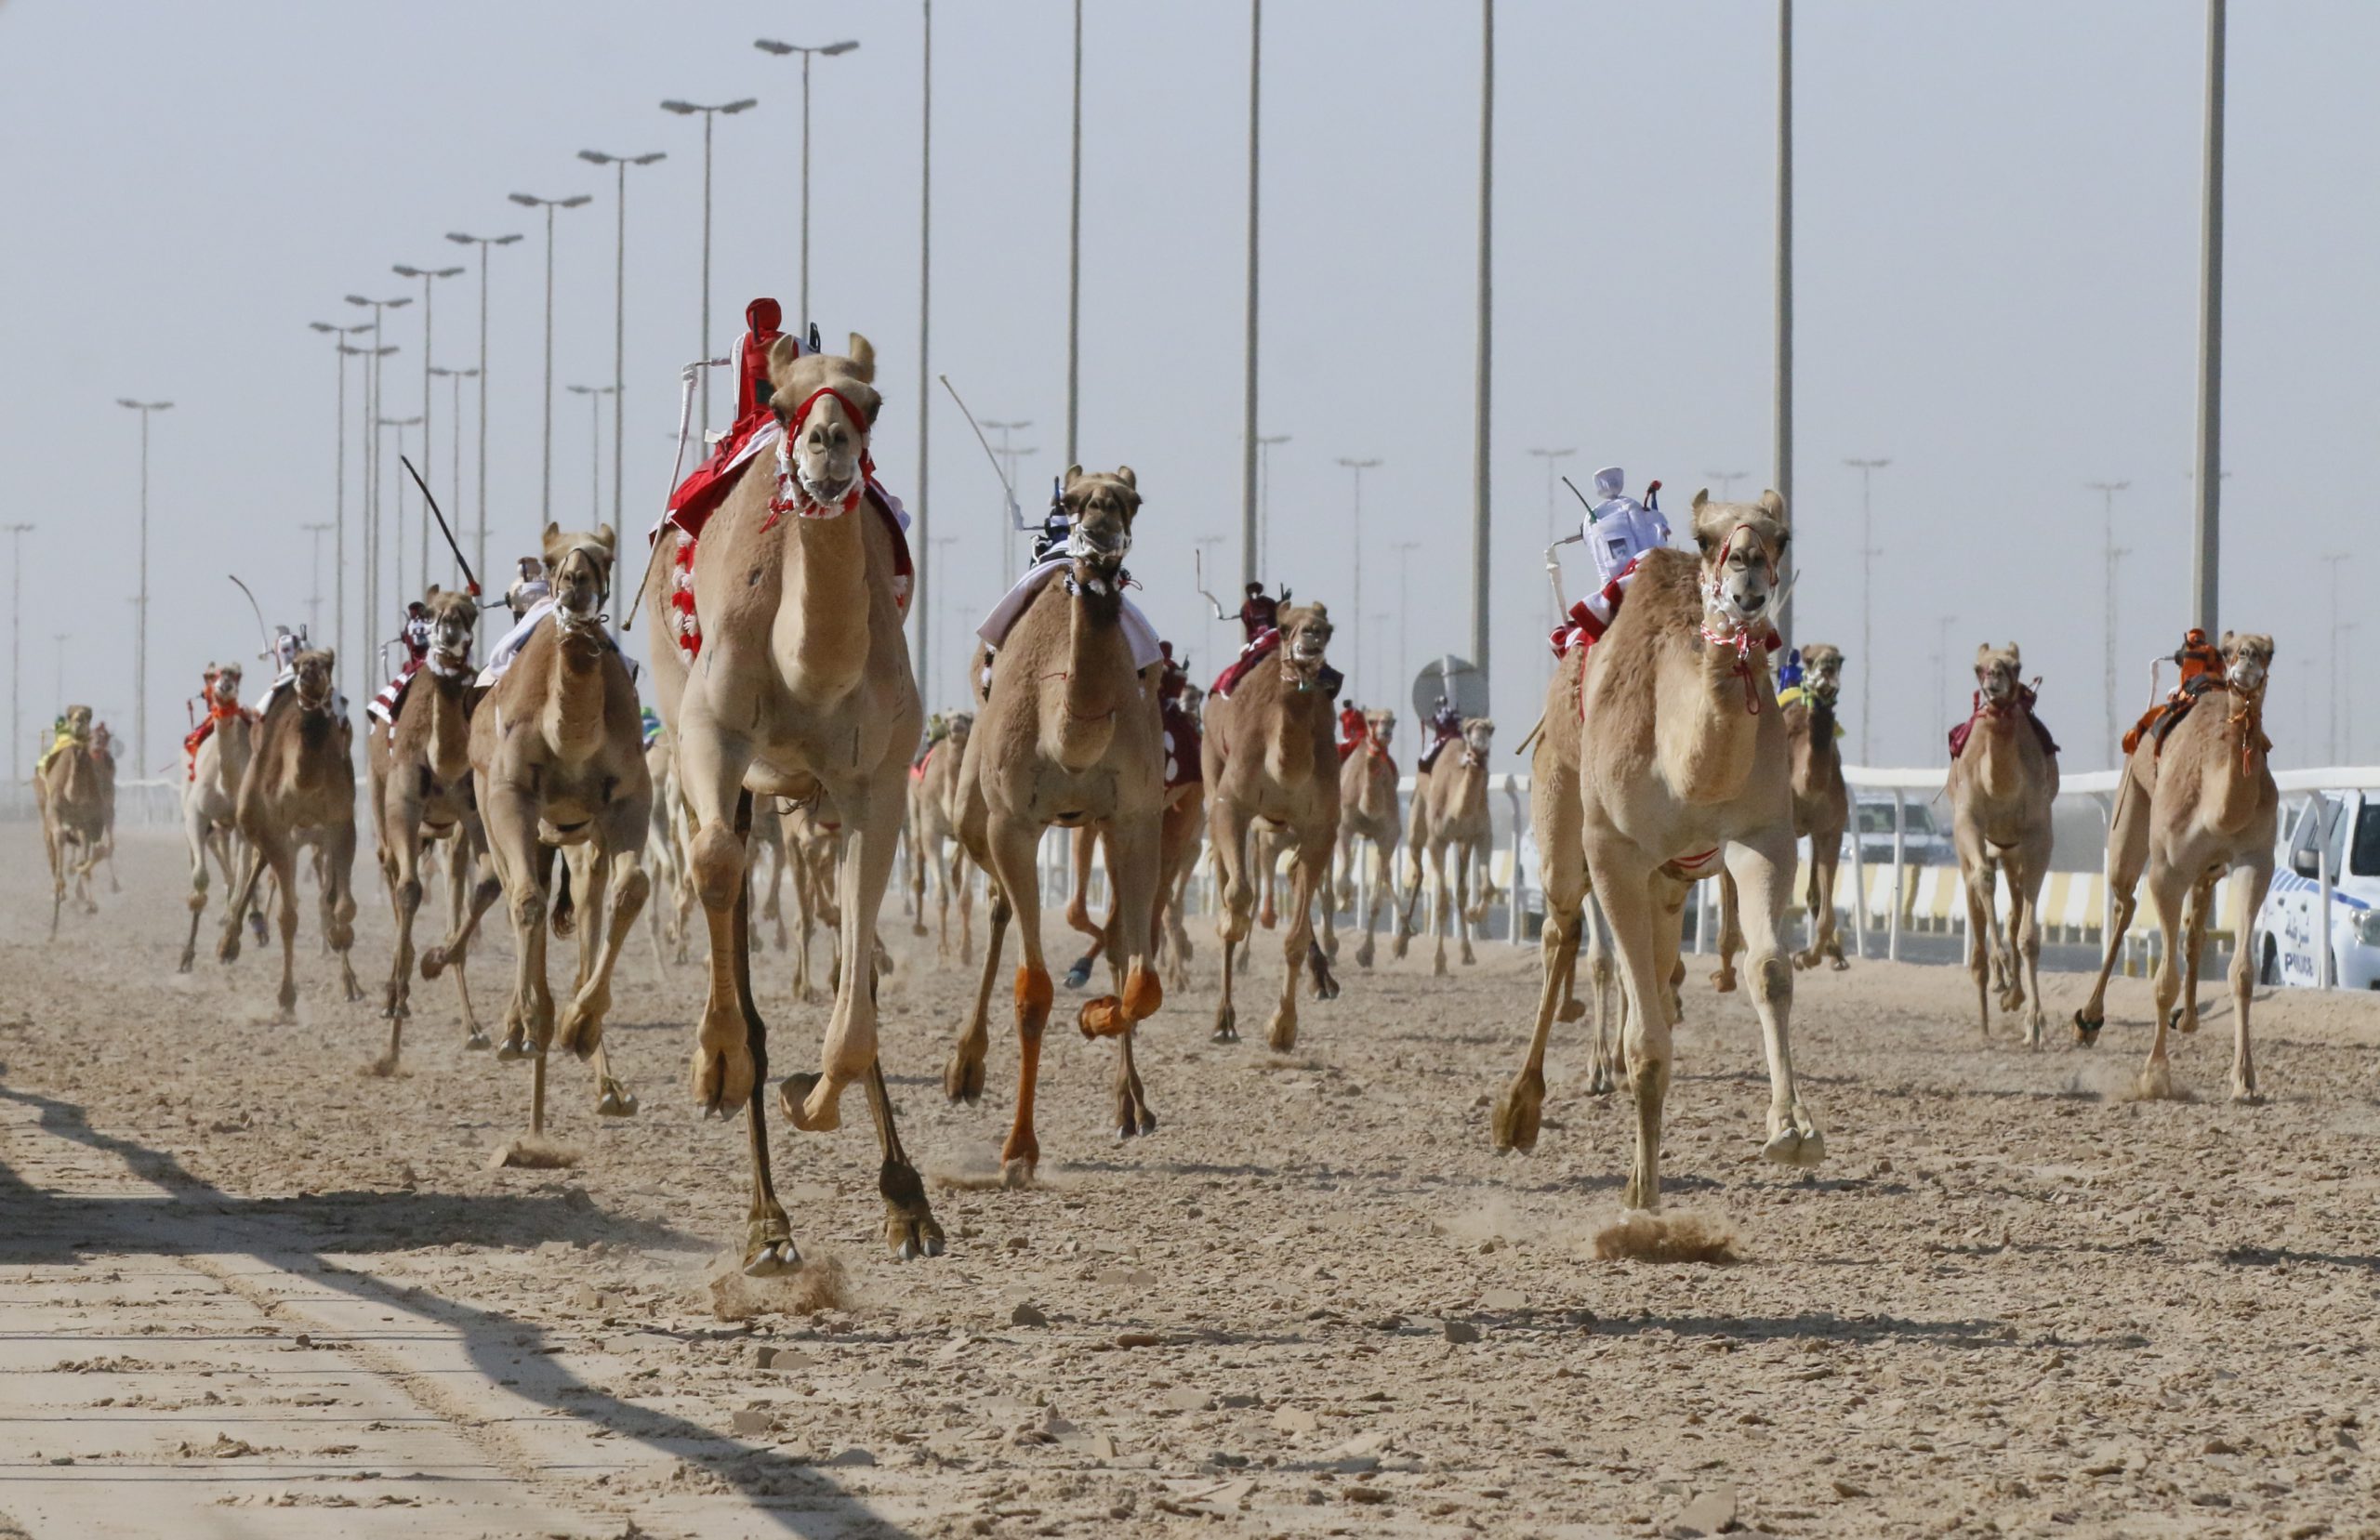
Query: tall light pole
[(16, 533), (2106, 490), (428, 277), (1867, 469), (1248, 555), (619, 331), (2333, 560), (1726, 479), (2205, 583), (595, 394), (1404, 549), (140, 633), (1074, 255), (1483, 373), (397, 544), (57, 664), (478, 553), (314, 599), (455, 459), (918, 598), (1009, 457), (770, 45), (526, 200), (931, 665), (372, 408), (2343, 694), (1356, 531), (1553, 508), (686, 108), (341, 351), (1264, 443), (1782, 431)]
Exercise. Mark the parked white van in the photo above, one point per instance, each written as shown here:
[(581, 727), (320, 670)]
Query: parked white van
[(2345, 826)]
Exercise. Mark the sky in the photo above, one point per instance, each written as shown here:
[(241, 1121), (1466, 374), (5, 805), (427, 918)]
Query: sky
[(1997, 267)]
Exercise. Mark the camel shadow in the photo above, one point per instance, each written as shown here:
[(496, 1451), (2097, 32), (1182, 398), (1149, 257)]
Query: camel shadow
[(2265, 1256), (297, 1233)]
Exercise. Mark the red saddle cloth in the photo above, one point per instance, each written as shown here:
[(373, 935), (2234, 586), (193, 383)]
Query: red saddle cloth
[(1259, 646), (205, 729), (1958, 734), (1182, 743)]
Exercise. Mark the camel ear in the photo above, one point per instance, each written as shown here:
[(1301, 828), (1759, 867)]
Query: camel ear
[(1772, 502), (782, 352), (2016, 657), (330, 658), (1982, 655), (433, 592), (863, 356), (2224, 645), (1699, 498), (605, 538), (1073, 474), (552, 531), (1124, 474)]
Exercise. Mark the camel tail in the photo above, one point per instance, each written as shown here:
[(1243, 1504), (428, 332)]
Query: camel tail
[(564, 908)]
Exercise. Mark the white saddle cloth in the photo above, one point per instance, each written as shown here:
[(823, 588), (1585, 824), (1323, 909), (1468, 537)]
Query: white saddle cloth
[(1137, 629), (509, 646)]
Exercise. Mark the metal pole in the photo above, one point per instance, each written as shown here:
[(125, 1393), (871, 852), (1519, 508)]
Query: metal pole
[(619, 370), (428, 284), (479, 552), (804, 324), (16, 650), (1074, 256), (338, 576), (2205, 583), (1867, 469), (704, 350), (2106, 490), (141, 654), (1783, 430), (314, 600), (1247, 413), (1356, 656), (1483, 373), (917, 595), (1900, 872), (545, 491)]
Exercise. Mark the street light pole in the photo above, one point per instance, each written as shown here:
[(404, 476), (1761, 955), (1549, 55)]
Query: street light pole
[(685, 109), (428, 277), (16, 533), (1405, 612), (397, 567), (1074, 256), (140, 638), (2333, 560), (1265, 444), (314, 599), (479, 554), (1248, 557), (770, 45), (341, 351), (1009, 457), (1483, 373), (2205, 580), (595, 394), (454, 460), (1782, 431), (1359, 467), (545, 491), (619, 333), (1867, 468), (918, 597), (372, 406), (2106, 490)]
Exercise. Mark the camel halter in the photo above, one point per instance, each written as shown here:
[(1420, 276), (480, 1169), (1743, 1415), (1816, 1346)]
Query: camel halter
[(792, 497), (565, 623), (1735, 630)]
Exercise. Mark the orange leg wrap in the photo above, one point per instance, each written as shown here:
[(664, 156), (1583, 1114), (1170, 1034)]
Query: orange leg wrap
[(1033, 991)]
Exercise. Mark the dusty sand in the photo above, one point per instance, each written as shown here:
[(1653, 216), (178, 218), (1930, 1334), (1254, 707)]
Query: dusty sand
[(2012, 1300)]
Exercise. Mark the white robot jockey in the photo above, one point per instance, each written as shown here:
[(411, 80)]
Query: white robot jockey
[(1619, 530)]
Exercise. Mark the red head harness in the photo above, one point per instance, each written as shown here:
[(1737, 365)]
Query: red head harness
[(791, 496)]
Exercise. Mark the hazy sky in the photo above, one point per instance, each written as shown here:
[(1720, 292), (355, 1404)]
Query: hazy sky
[(1997, 259)]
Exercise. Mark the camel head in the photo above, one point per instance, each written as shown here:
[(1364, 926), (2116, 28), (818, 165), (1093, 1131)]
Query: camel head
[(579, 567), (961, 723), (1999, 673), (225, 692), (827, 405), (454, 617), (1305, 636), (78, 723), (1743, 560), (1381, 725), (1477, 733), (1101, 506), (310, 676), (1822, 672), (102, 742), (2247, 660)]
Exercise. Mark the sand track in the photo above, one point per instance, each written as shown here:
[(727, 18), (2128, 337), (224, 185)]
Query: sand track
[(2014, 1300)]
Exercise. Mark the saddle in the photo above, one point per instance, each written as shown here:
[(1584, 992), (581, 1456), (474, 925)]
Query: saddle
[(1182, 742), (2024, 698), (2159, 722)]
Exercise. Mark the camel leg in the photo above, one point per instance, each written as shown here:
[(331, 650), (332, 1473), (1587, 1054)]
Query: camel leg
[(1622, 877), (1764, 871), (196, 828), (1463, 853), (1975, 878), (914, 854), (2028, 936), (1011, 848), (2127, 857), (1306, 877), (1731, 934), (1602, 1061), (285, 916), (401, 839), (1134, 858), (1440, 858), (1078, 906), (2252, 877), (1562, 872), (962, 1078), (622, 881), (2200, 911), (466, 914), (2169, 892), (335, 884), (1237, 898), (510, 815)]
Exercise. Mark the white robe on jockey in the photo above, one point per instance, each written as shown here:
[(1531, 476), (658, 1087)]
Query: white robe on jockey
[(507, 647), (1137, 629)]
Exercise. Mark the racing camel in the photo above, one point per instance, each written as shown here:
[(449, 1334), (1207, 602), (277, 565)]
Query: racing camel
[(1822, 812), (72, 784), (1272, 768), (2003, 783), (1370, 822), (1069, 734), (1451, 832), (557, 757), (932, 826), (2197, 799), (1683, 764), (299, 788), (803, 680), (421, 768), (209, 800)]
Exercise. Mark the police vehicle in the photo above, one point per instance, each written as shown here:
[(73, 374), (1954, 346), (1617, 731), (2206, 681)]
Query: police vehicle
[(2340, 829)]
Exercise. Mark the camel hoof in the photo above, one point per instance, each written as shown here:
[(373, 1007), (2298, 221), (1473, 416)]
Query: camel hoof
[(722, 1078), (1724, 981), (1572, 1009), (434, 962), (793, 1097), (516, 1046), (2086, 1030), (1599, 1083), (1226, 1025), (1791, 1146), (226, 951), (1016, 1174), (188, 957), (1838, 962), (963, 1079), (2246, 1096), (1283, 1034), (617, 1100), (772, 1258), (1439, 969), (1079, 975), (256, 924), (2183, 1021), (916, 929), (476, 1041), (1514, 1123), (1365, 955)]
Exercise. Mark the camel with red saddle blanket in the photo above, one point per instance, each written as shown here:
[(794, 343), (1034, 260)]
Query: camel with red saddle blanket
[(2003, 783), (219, 749), (934, 842), (1682, 766), (1069, 734), (2196, 802), (1369, 822), (1452, 832), (793, 600)]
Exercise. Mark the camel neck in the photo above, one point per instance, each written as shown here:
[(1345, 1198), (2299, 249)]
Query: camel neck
[(1706, 754), (448, 747), (2235, 782), (1999, 755), (1098, 674), (574, 704), (821, 634)]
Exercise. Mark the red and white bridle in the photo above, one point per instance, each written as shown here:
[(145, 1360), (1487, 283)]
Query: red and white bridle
[(792, 497)]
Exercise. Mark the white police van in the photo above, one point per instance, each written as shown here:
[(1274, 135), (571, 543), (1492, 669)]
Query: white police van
[(2344, 828)]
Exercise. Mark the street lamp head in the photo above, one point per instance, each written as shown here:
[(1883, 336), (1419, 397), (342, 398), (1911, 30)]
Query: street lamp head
[(575, 201), (846, 45), (681, 108), (525, 200), (444, 272), (770, 45), (404, 272), (649, 159), (596, 157), (321, 326), (734, 107)]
